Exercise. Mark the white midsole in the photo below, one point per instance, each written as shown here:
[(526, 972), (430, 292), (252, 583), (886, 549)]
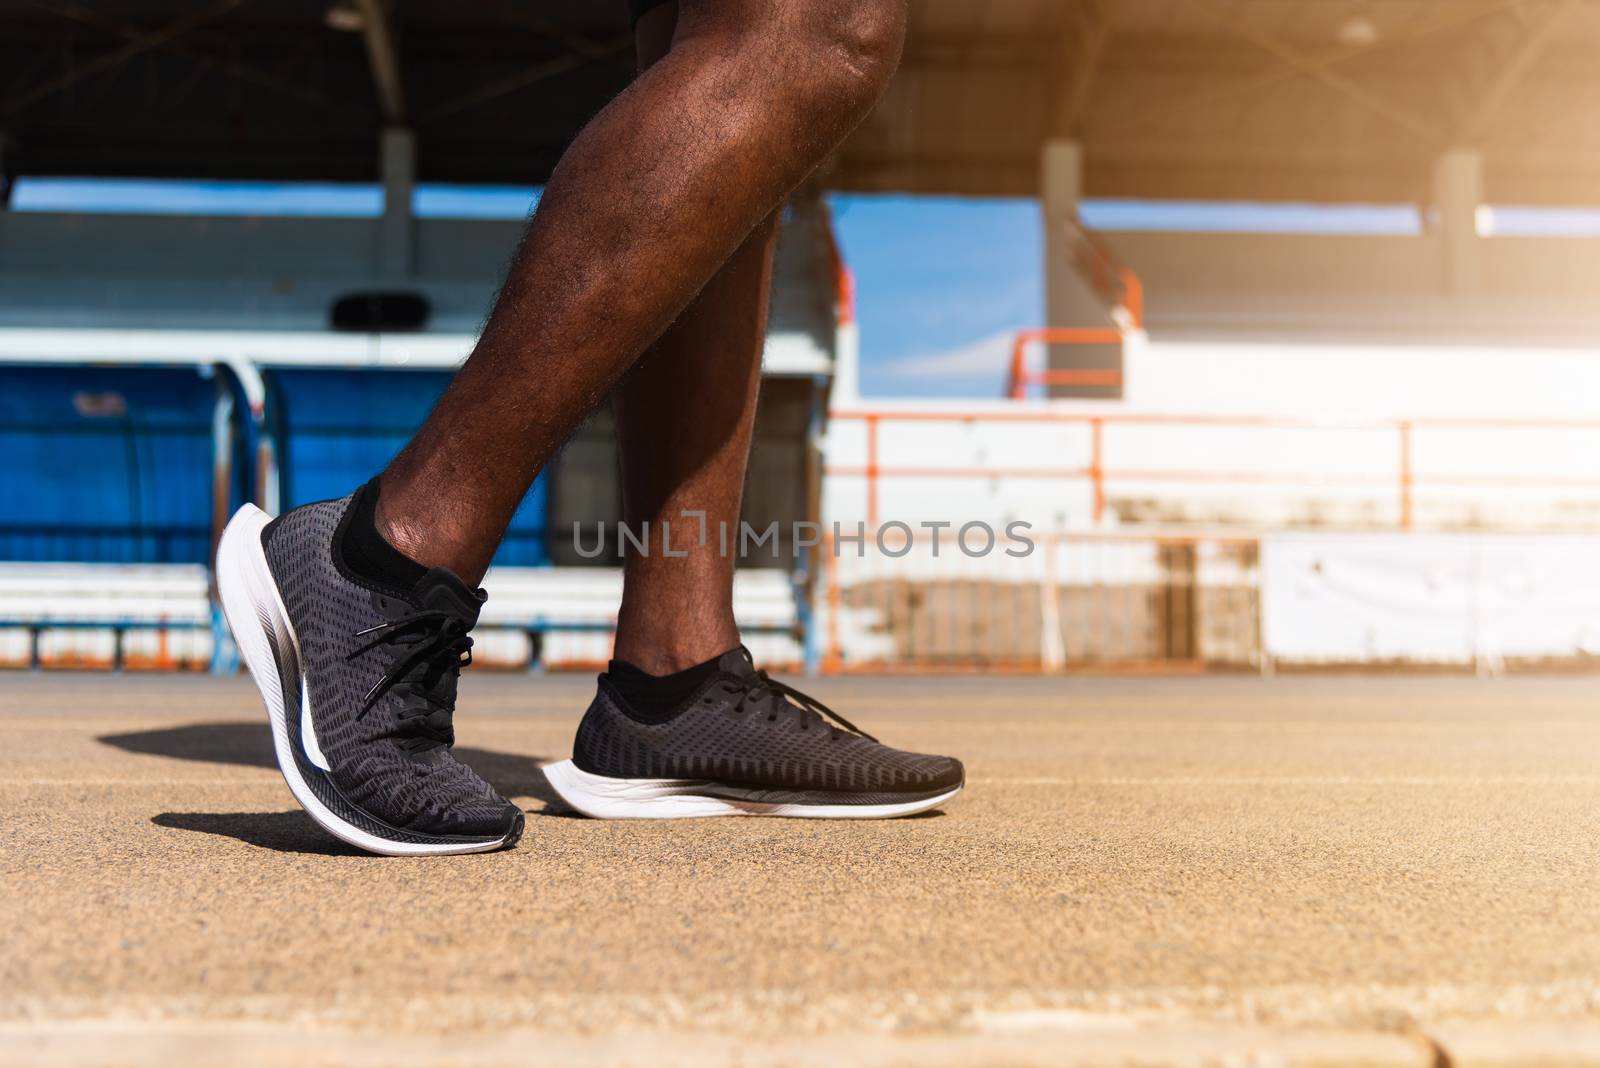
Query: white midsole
[(251, 603), (674, 799)]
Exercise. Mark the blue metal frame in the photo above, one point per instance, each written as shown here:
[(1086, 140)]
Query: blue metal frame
[(248, 463)]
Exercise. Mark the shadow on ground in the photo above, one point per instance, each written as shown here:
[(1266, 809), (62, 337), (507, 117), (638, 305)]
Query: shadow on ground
[(250, 744), (283, 832)]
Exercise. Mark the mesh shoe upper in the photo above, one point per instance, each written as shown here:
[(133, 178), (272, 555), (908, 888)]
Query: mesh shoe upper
[(743, 729), (380, 668)]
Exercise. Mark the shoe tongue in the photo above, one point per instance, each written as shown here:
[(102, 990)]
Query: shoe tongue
[(737, 662), (442, 589)]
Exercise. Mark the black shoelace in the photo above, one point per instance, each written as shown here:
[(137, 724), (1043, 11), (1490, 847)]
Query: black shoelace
[(436, 642), (761, 688)]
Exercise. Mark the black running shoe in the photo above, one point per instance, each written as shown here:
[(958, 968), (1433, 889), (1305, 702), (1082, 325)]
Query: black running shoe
[(360, 686), (743, 745)]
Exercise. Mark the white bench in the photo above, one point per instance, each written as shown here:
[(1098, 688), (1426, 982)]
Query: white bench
[(115, 615), (105, 614)]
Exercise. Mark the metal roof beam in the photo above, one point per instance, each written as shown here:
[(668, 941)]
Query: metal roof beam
[(1475, 122), (1331, 58), (522, 79), (144, 43), (384, 60), (231, 67), (1084, 64), (1309, 66), (517, 11)]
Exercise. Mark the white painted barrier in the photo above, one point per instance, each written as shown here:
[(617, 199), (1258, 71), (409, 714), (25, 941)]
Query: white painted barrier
[(1456, 599)]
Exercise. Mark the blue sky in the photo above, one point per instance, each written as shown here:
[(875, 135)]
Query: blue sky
[(936, 276), (941, 282)]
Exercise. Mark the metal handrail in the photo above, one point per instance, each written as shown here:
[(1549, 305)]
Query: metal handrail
[(1406, 479)]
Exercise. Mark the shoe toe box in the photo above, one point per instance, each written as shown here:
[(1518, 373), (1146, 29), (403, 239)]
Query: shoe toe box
[(499, 819), (941, 772)]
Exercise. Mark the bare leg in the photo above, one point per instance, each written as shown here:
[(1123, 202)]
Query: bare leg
[(655, 195), (684, 419)]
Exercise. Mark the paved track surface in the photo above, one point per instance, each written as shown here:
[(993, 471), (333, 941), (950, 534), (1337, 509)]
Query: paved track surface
[(1299, 870)]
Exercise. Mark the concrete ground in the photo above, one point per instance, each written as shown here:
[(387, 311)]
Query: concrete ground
[(1184, 871)]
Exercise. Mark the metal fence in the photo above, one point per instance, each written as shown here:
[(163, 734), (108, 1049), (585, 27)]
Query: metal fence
[(1406, 474)]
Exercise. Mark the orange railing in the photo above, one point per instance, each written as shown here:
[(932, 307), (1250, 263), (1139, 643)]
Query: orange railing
[(1021, 378), (1104, 272), (1118, 288), (1129, 313), (1112, 280), (1403, 479)]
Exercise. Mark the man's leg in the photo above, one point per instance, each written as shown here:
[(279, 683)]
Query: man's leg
[(684, 418), (353, 614), (683, 724), (653, 197)]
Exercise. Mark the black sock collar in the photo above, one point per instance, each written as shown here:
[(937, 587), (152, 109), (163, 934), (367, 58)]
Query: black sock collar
[(653, 698), (367, 553)]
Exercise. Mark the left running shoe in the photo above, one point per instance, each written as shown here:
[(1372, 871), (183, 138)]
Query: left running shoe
[(360, 686)]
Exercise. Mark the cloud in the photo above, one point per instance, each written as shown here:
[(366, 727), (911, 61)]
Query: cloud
[(987, 356)]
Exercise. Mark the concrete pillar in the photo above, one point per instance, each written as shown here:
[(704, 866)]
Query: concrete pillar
[(1457, 195), (1069, 300), (1060, 189), (1061, 177), (396, 235)]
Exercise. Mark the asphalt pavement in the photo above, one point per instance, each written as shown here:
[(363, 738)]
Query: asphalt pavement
[(1296, 870)]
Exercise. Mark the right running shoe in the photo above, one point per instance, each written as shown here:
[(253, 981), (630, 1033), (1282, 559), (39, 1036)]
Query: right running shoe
[(360, 686), (744, 744)]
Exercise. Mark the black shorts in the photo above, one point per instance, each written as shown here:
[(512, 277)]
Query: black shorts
[(639, 7)]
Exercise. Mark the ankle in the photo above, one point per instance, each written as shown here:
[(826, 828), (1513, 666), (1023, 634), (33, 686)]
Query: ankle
[(404, 536), (668, 657), (434, 542)]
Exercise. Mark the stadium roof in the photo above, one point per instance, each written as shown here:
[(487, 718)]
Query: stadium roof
[(1332, 100)]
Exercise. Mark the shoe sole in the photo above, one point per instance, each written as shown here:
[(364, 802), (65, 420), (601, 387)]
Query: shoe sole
[(270, 649), (605, 798)]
